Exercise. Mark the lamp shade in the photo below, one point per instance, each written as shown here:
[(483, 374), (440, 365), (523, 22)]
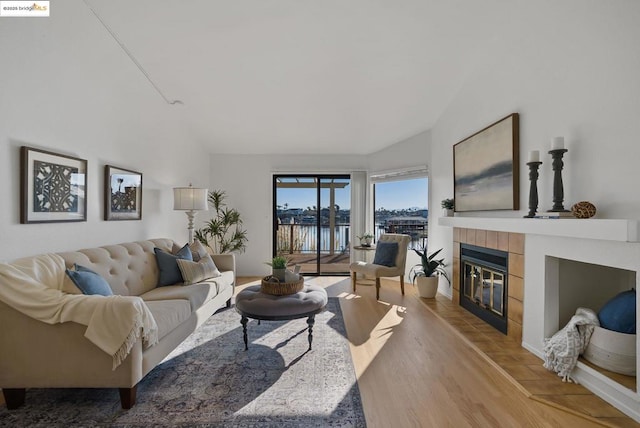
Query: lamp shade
[(190, 198)]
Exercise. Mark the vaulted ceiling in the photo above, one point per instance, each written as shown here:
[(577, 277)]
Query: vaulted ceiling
[(304, 76)]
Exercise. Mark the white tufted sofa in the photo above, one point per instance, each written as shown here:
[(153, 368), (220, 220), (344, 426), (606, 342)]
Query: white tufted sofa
[(34, 354)]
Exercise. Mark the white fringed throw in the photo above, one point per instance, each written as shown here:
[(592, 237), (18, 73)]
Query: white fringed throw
[(562, 350), (114, 323)]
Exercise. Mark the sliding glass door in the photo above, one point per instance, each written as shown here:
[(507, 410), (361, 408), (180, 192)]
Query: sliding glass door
[(311, 215)]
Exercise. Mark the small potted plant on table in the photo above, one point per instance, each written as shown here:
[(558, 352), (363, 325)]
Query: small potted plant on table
[(278, 267), (365, 239), (425, 275)]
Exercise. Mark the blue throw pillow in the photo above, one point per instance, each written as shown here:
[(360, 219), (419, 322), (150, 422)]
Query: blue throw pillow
[(89, 282), (168, 265), (619, 313), (386, 253)]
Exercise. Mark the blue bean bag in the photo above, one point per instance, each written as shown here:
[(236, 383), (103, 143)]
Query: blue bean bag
[(619, 313)]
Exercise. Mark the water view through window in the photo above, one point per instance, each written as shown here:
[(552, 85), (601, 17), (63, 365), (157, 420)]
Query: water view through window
[(402, 207), (312, 215)]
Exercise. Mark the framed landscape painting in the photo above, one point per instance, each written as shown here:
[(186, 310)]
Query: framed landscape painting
[(122, 194), (53, 187), (485, 168)]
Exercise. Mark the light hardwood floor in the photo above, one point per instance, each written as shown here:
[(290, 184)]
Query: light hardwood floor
[(413, 369)]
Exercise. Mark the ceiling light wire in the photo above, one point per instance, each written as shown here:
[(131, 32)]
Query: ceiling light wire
[(131, 57)]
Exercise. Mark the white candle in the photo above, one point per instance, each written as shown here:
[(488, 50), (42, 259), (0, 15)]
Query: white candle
[(557, 143), (534, 156)]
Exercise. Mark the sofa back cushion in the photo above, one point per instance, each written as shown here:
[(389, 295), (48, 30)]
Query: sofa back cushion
[(129, 268)]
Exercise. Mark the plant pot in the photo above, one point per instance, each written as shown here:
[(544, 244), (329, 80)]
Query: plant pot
[(427, 286), (279, 274), (447, 212)]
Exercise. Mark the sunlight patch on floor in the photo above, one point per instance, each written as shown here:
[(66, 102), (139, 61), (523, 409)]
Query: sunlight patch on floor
[(348, 296), (379, 335)]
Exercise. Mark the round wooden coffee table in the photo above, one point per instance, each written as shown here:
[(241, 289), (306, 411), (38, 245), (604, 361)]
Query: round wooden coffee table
[(254, 304)]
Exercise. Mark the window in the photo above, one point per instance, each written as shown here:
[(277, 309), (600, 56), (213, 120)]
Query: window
[(401, 206)]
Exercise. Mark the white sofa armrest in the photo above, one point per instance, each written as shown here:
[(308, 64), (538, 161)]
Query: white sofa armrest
[(226, 262)]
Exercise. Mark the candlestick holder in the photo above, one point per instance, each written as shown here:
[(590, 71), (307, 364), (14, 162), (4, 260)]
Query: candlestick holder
[(558, 188), (533, 188)]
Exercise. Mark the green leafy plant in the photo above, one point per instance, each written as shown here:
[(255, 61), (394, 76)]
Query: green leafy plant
[(224, 232), (278, 262), (447, 204), (428, 266), (366, 239)]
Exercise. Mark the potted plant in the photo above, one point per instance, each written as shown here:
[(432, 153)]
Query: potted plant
[(425, 275), (366, 239), (278, 267), (448, 206), (224, 232)]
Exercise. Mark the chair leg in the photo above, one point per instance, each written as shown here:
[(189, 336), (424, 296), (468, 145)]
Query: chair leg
[(14, 397), (402, 284), (377, 288), (353, 281)]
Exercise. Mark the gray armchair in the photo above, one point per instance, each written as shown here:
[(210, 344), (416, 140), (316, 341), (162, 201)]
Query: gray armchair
[(378, 271)]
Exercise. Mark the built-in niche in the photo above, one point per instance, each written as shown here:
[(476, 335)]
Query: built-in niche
[(588, 285)]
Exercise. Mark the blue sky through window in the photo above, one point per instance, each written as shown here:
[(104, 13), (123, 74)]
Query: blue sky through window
[(393, 195)]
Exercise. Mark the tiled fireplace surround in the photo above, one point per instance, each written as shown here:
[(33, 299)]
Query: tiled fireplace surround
[(541, 256), (510, 242)]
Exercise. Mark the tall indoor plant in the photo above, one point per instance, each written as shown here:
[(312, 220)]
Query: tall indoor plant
[(224, 232), (425, 274)]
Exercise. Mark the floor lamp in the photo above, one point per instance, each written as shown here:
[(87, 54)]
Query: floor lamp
[(191, 200)]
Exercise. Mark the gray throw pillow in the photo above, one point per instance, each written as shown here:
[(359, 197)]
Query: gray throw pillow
[(169, 272), (386, 253)]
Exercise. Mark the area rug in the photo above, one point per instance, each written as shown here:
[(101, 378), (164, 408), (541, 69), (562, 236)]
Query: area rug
[(211, 381)]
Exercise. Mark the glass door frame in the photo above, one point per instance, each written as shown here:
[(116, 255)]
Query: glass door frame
[(318, 224)]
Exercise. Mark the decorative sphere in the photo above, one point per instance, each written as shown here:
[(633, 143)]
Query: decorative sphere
[(584, 209)]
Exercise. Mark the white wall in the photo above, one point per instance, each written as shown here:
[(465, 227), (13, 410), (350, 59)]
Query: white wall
[(247, 180), (571, 69), (414, 151), (67, 87)]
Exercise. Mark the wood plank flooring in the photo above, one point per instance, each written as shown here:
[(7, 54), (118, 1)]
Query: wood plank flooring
[(416, 368)]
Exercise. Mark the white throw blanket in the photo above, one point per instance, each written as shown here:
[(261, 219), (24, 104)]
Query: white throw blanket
[(562, 350), (114, 323)]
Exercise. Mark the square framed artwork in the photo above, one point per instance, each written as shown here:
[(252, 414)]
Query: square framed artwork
[(122, 194), (485, 168), (53, 187)]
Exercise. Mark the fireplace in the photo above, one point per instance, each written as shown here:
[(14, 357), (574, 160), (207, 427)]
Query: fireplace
[(496, 257), (484, 285), (569, 263)]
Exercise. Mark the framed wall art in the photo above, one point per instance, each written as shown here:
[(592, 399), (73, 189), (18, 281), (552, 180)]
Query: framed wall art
[(53, 187), (485, 168), (122, 194)]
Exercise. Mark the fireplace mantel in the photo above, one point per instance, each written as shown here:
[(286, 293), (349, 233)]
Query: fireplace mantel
[(604, 229)]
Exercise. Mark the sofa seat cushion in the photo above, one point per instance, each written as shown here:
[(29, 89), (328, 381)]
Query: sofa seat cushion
[(169, 314), (196, 294), (224, 281)]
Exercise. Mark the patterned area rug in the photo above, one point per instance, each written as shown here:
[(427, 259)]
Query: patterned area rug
[(211, 381)]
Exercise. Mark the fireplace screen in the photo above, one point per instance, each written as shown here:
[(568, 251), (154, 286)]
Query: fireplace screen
[(484, 284), (485, 287)]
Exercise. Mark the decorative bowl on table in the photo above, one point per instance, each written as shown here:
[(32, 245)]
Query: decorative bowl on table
[(271, 285)]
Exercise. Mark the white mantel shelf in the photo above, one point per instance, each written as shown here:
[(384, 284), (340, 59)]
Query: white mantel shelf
[(604, 229)]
